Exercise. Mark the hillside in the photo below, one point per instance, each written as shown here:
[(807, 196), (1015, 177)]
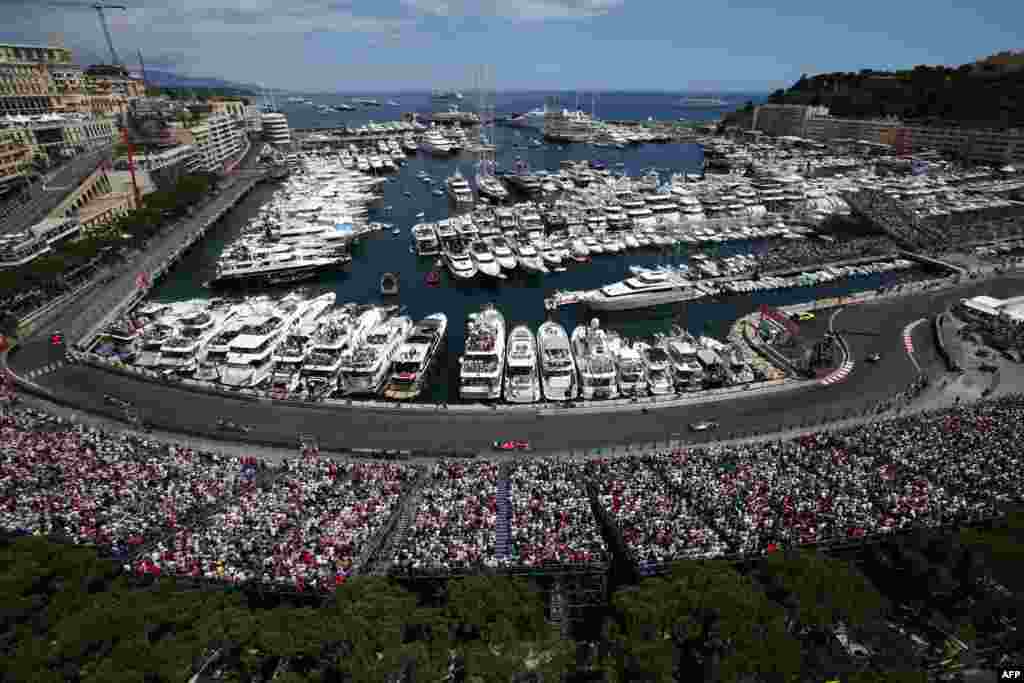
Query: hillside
[(988, 93), (167, 79)]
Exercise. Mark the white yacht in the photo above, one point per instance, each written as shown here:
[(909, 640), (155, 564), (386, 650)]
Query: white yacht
[(458, 260), (648, 288), (367, 366), (490, 186), (275, 264), (528, 257), (416, 359), (659, 369), (434, 142), (632, 370), (483, 362), (425, 239), (194, 329), (503, 253), (682, 354), (332, 340), (522, 379), (596, 362), (459, 190), (484, 259), (291, 353), (249, 354), (558, 369)]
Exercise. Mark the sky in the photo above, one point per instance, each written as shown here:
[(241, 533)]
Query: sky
[(394, 45)]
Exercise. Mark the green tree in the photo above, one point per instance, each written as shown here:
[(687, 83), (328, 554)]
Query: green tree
[(704, 611), (825, 590)]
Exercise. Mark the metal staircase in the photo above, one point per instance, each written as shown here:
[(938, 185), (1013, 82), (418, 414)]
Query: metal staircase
[(503, 531)]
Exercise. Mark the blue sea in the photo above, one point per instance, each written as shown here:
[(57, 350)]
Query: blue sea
[(521, 297)]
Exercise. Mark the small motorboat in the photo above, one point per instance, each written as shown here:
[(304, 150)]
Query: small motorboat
[(389, 284), (438, 192), (433, 278), (407, 193), (420, 215), (396, 231)]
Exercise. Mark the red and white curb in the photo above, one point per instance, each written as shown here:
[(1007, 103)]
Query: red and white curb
[(908, 341), (839, 374)]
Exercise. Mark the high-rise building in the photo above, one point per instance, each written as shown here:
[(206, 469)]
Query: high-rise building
[(276, 130), (15, 158)]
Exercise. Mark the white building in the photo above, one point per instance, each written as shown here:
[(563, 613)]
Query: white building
[(253, 119), (276, 130), (218, 141)]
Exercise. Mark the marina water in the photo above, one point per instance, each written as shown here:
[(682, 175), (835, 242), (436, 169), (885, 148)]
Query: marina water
[(521, 297)]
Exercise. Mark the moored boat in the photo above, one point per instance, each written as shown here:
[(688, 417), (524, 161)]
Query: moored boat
[(417, 358)]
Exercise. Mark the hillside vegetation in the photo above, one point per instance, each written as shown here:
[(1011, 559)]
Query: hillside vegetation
[(988, 93)]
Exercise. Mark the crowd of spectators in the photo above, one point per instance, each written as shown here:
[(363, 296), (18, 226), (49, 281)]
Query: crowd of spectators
[(893, 216), (817, 252), (455, 526), (309, 523), (656, 524), (551, 516), (305, 526), (87, 486)]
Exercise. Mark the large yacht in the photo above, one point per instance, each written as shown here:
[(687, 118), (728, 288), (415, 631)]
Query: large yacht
[(682, 354), (484, 259), (338, 332), (425, 239), (568, 126), (458, 259), (596, 362), (648, 288), (490, 186), (503, 253), (529, 258), (292, 352), (367, 367), (459, 190), (659, 370), (194, 329), (558, 369), (416, 359), (276, 263), (249, 354), (483, 362), (434, 142), (522, 379), (632, 371)]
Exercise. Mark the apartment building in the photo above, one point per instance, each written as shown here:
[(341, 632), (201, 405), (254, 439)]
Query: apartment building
[(26, 84), (979, 145), (42, 79), (59, 136), (218, 142), (15, 157), (253, 119)]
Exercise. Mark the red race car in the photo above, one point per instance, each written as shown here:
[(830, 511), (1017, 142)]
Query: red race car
[(511, 445)]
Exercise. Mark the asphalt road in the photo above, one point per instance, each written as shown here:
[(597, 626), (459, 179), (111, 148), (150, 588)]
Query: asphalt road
[(171, 407)]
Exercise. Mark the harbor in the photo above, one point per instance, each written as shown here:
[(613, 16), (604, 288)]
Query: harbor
[(653, 244)]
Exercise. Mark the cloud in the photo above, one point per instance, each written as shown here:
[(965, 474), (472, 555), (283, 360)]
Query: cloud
[(517, 10)]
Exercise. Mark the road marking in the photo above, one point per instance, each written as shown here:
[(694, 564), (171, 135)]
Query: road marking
[(839, 374), (908, 341)]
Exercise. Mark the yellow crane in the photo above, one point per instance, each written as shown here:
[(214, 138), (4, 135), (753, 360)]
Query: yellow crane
[(99, 7)]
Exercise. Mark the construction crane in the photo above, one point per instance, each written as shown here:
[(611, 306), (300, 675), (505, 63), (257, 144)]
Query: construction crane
[(99, 7)]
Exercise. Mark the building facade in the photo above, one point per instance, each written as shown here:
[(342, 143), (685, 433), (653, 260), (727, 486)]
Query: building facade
[(41, 79), (26, 83), (55, 137), (218, 142), (978, 145), (276, 130), (15, 160)]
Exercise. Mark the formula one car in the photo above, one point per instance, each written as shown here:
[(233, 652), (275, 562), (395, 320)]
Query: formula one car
[(511, 445)]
